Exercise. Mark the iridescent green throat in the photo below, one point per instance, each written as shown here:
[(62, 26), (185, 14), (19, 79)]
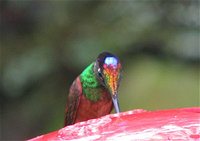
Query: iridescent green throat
[(90, 85)]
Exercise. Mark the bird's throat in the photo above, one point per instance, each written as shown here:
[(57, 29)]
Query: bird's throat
[(91, 87)]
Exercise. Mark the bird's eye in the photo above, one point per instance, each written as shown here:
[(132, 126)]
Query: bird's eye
[(101, 77), (99, 73)]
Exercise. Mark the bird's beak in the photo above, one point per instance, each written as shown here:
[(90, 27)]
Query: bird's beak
[(112, 83), (115, 102), (113, 90)]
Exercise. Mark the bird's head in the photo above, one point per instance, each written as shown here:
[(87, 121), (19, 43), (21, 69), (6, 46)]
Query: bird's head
[(108, 71)]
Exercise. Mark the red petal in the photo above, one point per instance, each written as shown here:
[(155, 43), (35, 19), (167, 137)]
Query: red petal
[(175, 124)]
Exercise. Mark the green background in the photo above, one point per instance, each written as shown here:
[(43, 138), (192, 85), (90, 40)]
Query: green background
[(45, 45)]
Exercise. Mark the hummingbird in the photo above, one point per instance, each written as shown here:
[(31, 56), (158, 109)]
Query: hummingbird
[(94, 92)]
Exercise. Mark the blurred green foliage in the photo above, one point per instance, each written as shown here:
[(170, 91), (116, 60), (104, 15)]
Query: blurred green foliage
[(45, 45)]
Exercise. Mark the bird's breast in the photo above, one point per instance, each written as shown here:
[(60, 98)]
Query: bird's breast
[(89, 109)]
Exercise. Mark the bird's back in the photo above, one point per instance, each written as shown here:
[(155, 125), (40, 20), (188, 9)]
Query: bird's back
[(73, 101)]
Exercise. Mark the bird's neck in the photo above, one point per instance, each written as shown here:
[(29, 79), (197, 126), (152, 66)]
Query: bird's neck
[(91, 87)]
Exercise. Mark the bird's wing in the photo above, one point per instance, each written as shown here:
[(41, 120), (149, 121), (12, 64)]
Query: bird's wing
[(73, 101)]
